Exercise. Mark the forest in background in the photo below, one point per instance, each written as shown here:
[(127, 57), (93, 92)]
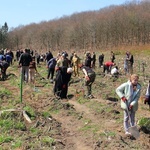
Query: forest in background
[(111, 27)]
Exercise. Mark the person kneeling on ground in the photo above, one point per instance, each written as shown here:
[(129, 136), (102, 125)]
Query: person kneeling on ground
[(63, 77), (115, 72), (107, 66)]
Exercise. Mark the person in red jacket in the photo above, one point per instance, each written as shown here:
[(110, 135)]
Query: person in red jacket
[(107, 66)]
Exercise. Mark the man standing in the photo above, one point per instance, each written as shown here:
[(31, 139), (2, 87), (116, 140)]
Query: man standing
[(24, 63), (75, 62), (130, 62), (51, 68), (101, 60)]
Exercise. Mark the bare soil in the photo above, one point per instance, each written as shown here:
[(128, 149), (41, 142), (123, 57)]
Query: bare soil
[(75, 123)]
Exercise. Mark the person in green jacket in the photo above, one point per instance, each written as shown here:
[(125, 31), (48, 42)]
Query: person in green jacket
[(129, 92)]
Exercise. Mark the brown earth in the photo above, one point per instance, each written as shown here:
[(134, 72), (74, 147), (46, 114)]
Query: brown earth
[(75, 123)]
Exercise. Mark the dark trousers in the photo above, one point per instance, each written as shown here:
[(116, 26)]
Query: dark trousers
[(3, 73), (50, 73), (106, 68)]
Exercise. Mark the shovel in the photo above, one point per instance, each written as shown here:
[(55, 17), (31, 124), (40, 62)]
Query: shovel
[(132, 129)]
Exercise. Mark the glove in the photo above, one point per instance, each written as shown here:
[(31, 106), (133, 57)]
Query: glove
[(124, 99), (57, 68), (130, 107), (87, 78)]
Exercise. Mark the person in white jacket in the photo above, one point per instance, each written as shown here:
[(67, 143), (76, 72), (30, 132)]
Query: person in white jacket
[(129, 92)]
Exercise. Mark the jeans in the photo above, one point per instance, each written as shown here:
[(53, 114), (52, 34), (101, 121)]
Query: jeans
[(25, 73), (127, 121)]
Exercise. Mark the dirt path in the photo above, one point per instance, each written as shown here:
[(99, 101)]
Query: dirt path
[(75, 140)]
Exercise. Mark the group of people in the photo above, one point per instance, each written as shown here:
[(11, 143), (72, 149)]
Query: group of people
[(6, 59), (64, 68)]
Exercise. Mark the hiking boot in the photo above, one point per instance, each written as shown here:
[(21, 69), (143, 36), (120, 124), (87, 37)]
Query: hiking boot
[(90, 96), (51, 81), (128, 133)]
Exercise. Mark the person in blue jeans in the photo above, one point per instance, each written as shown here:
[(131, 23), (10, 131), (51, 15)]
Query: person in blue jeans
[(24, 63), (129, 92), (51, 68)]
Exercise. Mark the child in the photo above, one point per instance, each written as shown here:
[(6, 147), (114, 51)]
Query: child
[(129, 92), (32, 69)]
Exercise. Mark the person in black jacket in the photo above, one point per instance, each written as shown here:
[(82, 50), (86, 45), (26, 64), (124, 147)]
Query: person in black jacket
[(24, 63), (88, 60), (63, 77), (3, 65), (49, 56), (101, 60)]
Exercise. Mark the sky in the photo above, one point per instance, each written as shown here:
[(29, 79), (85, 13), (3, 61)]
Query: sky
[(24, 12)]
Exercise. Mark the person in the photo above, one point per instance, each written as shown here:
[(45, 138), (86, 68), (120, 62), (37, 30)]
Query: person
[(75, 64), (63, 77), (24, 63), (93, 60), (32, 70), (3, 65), (147, 95), (1, 56), (129, 92), (130, 61), (101, 60), (62, 61), (37, 57), (49, 55), (88, 59), (107, 66), (89, 78), (112, 56), (126, 69), (51, 68), (71, 56), (18, 53), (8, 58), (115, 71)]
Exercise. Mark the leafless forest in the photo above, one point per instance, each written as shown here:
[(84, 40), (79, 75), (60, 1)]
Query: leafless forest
[(113, 26)]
